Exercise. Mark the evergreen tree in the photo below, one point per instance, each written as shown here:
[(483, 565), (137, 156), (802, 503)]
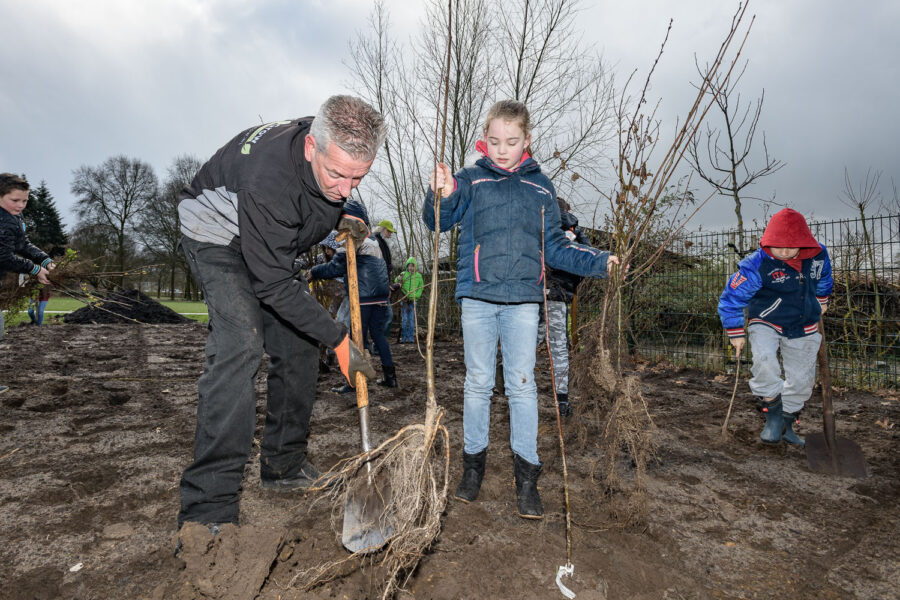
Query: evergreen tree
[(42, 222)]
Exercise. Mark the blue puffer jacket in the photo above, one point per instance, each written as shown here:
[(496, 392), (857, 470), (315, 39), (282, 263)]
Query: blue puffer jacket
[(499, 217), (371, 272), (776, 294)]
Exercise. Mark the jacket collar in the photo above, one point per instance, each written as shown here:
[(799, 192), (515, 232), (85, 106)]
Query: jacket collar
[(526, 165)]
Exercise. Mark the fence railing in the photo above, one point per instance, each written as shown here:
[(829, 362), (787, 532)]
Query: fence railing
[(674, 316)]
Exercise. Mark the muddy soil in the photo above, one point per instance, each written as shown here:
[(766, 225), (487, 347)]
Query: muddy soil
[(98, 424)]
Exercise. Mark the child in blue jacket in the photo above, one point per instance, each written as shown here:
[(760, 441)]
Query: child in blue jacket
[(785, 286), (497, 204), (374, 291)]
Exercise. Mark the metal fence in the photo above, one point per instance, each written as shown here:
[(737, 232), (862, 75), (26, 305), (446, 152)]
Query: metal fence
[(674, 312), (673, 308)]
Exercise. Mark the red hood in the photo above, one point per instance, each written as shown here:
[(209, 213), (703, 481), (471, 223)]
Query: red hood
[(788, 229), (481, 146)]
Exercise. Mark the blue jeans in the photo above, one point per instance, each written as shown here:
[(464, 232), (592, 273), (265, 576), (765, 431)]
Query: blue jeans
[(39, 318), (408, 322), (515, 325), (373, 317)]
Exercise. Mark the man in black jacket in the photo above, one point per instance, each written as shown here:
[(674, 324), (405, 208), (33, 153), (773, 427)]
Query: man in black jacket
[(269, 194)]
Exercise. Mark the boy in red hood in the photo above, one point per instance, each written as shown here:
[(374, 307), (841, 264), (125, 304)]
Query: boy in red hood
[(785, 287)]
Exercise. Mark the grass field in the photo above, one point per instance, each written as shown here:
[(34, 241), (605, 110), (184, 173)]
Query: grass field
[(59, 306)]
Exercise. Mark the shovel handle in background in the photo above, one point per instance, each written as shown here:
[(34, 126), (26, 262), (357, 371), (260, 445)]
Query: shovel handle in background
[(825, 452), (737, 375)]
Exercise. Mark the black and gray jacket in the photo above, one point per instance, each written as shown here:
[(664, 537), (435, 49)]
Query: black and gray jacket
[(562, 285), (258, 194), (17, 254)]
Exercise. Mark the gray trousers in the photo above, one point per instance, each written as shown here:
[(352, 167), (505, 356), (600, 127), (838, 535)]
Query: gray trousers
[(559, 342), (240, 328), (799, 358)]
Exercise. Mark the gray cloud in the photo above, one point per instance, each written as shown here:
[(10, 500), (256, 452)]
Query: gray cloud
[(84, 81)]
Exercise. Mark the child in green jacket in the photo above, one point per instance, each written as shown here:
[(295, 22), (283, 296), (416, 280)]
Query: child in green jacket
[(411, 284)]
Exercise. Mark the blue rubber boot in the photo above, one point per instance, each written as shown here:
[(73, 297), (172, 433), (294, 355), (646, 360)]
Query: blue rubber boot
[(771, 433), (790, 436)]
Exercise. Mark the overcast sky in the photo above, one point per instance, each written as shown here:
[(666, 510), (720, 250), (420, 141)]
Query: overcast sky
[(152, 79)]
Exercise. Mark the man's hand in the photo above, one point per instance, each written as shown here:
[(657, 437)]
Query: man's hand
[(442, 179), (355, 227), (352, 361), (42, 276), (738, 343)]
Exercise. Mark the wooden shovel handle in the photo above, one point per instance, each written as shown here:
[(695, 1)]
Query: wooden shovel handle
[(825, 378), (356, 333)]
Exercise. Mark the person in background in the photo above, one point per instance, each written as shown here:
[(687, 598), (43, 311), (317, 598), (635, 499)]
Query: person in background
[(411, 285), (36, 309), (561, 288), (374, 292), (382, 233), (17, 254), (785, 286)]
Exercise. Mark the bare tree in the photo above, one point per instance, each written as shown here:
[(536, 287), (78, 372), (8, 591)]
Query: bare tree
[(544, 63), (725, 164), (160, 229), (114, 195), (533, 52)]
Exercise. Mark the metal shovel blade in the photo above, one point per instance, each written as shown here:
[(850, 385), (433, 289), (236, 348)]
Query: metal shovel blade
[(825, 452), (845, 459), (366, 522)]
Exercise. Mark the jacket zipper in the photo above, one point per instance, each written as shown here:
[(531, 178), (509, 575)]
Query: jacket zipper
[(766, 312), (477, 277)]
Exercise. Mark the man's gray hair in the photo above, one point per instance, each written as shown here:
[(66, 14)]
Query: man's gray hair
[(352, 124)]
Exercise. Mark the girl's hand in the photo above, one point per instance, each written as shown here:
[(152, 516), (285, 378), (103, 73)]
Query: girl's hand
[(442, 179), (614, 260)]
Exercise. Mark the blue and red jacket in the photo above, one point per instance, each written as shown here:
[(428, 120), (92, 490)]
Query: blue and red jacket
[(499, 216), (776, 294)]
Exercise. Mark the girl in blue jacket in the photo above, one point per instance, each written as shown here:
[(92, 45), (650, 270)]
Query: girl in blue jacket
[(497, 204), (785, 287)]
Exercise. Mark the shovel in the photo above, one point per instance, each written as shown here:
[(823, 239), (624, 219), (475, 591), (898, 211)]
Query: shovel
[(826, 453), (366, 528)]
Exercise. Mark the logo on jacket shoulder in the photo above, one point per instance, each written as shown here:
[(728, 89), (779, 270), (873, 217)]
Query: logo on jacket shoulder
[(737, 280), (256, 135), (778, 276), (815, 269)]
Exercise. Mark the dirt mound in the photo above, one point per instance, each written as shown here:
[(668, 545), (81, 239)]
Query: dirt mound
[(125, 306)]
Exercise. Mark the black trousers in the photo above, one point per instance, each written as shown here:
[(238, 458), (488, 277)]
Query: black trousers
[(240, 329)]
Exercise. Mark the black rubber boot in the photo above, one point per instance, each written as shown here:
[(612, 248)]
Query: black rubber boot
[(473, 472), (771, 433), (390, 376), (790, 436), (565, 409), (527, 497), (342, 389)]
